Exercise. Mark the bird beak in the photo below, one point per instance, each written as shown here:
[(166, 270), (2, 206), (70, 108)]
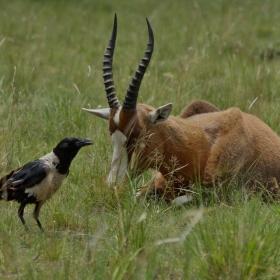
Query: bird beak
[(84, 142)]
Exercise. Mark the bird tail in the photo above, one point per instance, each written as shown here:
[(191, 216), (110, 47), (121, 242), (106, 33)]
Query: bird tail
[(3, 189), (3, 193), (3, 186)]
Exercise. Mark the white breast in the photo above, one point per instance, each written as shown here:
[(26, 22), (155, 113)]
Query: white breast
[(49, 185)]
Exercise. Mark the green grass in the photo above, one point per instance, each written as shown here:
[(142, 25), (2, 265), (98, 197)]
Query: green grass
[(51, 52)]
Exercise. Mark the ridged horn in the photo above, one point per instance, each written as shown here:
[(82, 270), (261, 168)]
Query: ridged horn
[(130, 100), (108, 72)]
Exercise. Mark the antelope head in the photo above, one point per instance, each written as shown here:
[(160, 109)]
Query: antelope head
[(127, 121)]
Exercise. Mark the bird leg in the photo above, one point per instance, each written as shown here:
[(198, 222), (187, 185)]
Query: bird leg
[(20, 214), (36, 212)]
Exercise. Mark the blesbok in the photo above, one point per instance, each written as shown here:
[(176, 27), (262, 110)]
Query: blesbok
[(203, 144)]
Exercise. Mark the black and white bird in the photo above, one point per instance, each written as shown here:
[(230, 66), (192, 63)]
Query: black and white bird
[(37, 181)]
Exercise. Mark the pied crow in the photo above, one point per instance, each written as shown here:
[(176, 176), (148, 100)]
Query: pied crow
[(37, 181)]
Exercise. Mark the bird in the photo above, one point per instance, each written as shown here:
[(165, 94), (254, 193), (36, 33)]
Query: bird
[(37, 181)]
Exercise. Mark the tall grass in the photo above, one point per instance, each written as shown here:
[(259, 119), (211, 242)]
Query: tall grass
[(51, 53)]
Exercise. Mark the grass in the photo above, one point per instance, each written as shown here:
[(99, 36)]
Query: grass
[(50, 67)]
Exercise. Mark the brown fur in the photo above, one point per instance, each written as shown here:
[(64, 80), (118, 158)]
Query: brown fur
[(203, 144), (198, 107)]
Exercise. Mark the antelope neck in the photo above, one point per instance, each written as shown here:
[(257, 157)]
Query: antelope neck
[(123, 121)]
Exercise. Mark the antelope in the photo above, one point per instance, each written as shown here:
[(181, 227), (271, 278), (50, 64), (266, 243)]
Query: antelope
[(203, 144)]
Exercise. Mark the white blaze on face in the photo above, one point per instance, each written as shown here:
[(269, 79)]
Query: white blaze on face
[(120, 159)]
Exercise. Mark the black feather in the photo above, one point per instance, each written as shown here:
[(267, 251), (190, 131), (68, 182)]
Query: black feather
[(29, 175)]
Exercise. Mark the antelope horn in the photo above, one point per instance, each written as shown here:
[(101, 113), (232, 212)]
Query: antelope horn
[(107, 70), (130, 100)]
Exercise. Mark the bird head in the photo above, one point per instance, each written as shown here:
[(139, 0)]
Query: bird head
[(67, 149)]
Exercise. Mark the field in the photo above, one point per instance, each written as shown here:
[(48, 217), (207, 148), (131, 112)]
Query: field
[(51, 53)]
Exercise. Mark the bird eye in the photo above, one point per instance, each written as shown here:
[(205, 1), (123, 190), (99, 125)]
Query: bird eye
[(64, 145)]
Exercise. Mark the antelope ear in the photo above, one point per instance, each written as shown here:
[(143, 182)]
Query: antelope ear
[(101, 113), (160, 114)]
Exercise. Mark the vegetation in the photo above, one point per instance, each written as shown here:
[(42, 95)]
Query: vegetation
[(51, 52)]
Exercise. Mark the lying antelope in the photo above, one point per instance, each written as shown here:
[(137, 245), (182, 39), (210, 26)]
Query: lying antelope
[(202, 144)]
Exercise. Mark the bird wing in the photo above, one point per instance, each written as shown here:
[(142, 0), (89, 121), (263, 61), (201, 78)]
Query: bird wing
[(26, 176)]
